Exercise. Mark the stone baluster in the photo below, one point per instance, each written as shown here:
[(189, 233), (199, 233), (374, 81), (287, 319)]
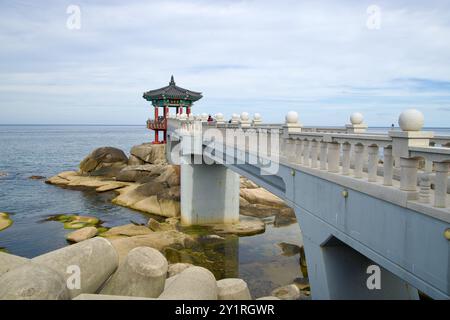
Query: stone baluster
[(299, 150), (257, 120), (425, 186), (357, 125), (359, 159), (314, 153), (388, 166), (428, 166), (440, 184), (289, 150), (372, 163), (306, 153), (408, 174), (346, 148), (333, 157), (245, 120), (323, 155), (220, 119)]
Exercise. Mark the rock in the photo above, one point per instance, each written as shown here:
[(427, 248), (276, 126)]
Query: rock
[(5, 221), (33, 282), (95, 258), (135, 161), (261, 196), (233, 289), (289, 249), (247, 226), (90, 296), (111, 186), (142, 274), (105, 161), (195, 283), (248, 184), (82, 234), (285, 217), (128, 230), (9, 262), (258, 210), (158, 226), (177, 268), (150, 153), (158, 240), (289, 292), (3, 174), (154, 198), (140, 173), (36, 177), (268, 298), (302, 284)]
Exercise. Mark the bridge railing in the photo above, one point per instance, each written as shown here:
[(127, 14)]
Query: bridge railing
[(412, 161)]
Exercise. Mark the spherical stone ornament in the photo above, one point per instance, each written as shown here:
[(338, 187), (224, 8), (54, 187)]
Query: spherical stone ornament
[(245, 116), (356, 118), (411, 120), (292, 117), (257, 116)]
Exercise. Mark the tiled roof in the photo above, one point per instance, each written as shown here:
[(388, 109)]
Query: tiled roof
[(172, 91)]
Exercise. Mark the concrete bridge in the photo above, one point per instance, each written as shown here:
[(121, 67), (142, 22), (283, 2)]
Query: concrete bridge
[(362, 199)]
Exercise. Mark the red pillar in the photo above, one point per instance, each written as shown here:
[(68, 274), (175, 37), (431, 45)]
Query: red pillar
[(188, 110), (156, 121)]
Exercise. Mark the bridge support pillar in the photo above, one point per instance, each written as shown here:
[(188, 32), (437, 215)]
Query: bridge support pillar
[(209, 194), (337, 271)]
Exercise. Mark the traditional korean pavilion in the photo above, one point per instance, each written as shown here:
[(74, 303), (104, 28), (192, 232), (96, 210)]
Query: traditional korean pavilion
[(167, 97)]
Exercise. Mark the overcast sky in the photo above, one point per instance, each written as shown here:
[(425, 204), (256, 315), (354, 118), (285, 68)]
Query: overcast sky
[(319, 58)]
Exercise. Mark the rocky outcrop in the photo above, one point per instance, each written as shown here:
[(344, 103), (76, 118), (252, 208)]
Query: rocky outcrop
[(105, 161), (148, 153)]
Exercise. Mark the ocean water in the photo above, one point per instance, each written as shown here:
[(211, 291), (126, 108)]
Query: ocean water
[(48, 150)]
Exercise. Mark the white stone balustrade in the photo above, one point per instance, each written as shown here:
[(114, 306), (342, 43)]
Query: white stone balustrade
[(390, 160)]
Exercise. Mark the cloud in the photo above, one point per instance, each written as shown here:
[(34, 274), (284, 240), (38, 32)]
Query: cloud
[(262, 56)]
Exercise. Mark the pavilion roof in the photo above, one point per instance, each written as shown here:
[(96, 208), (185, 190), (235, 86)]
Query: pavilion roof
[(172, 91)]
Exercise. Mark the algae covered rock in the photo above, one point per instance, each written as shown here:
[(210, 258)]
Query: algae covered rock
[(71, 221), (5, 221)]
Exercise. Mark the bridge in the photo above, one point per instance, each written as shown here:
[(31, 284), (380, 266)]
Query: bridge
[(363, 200)]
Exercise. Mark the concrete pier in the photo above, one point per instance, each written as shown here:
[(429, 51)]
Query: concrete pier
[(209, 194)]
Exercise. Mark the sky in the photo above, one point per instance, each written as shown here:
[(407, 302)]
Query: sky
[(323, 59)]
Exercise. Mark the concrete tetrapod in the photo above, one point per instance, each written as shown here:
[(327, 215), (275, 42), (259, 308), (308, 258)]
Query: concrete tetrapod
[(10, 261), (33, 282), (233, 289), (195, 283), (142, 274), (91, 262)]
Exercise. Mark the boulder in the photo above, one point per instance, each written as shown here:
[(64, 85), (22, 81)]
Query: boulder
[(195, 283), (247, 226), (285, 217), (128, 230), (33, 282), (95, 259), (82, 234), (150, 153), (142, 274), (289, 249), (177, 268), (105, 161), (36, 177), (233, 289), (135, 161), (9, 262), (261, 196), (289, 292), (248, 184), (140, 173)]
